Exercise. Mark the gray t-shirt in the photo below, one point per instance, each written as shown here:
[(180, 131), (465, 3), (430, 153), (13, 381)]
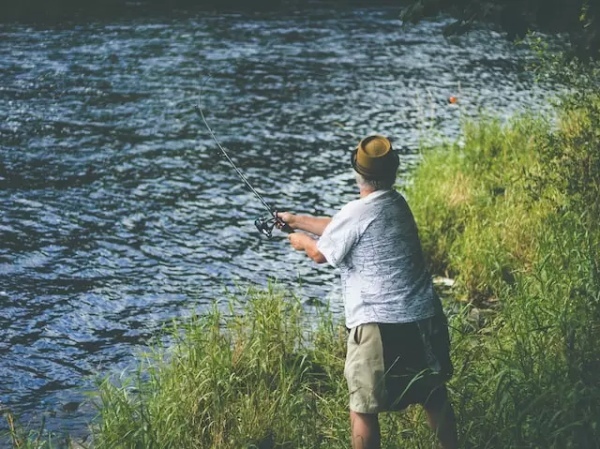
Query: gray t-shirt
[(375, 244)]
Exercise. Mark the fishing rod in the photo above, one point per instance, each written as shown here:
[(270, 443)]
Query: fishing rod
[(264, 225)]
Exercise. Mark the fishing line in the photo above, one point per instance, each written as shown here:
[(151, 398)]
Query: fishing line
[(237, 170), (264, 225)]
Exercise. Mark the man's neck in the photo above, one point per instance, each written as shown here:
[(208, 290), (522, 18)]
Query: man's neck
[(364, 192)]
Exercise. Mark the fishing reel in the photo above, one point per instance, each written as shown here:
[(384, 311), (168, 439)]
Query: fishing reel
[(266, 225)]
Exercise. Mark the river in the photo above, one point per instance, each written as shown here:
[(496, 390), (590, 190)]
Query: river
[(117, 212)]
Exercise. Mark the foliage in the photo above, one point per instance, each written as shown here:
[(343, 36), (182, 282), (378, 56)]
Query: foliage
[(580, 19), (233, 381), (474, 224), (262, 378), (513, 215)]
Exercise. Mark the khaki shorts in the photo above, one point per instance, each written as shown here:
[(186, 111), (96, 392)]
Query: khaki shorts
[(390, 366)]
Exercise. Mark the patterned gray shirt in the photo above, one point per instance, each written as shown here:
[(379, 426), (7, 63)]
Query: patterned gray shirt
[(375, 244)]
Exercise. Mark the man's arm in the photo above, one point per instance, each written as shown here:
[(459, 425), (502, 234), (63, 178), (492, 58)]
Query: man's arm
[(308, 223)]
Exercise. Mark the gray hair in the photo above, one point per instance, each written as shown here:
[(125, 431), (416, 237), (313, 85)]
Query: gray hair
[(375, 184)]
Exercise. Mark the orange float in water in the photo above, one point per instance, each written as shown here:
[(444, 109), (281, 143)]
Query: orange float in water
[(452, 99)]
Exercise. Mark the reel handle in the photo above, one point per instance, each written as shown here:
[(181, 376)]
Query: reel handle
[(283, 226), (265, 225)]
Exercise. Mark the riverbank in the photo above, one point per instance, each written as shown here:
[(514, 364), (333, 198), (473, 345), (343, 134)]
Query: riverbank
[(510, 214), (579, 19)]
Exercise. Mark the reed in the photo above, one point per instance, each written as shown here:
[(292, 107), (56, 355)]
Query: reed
[(19, 437), (251, 379), (269, 377)]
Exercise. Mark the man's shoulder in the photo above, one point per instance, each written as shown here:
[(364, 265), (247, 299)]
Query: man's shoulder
[(376, 200), (352, 207), (363, 210)]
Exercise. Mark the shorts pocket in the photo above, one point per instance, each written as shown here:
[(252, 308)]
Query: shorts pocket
[(358, 330)]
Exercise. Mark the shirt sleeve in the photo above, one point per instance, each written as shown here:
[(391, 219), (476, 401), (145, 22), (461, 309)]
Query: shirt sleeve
[(339, 236)]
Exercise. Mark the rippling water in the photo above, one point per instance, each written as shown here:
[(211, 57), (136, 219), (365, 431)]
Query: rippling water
[(117, 212)]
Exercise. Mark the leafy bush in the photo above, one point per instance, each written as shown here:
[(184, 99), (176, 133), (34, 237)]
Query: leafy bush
[(580, 19)]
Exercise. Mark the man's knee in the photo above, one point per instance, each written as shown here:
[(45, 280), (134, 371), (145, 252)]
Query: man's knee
[(364, 419)]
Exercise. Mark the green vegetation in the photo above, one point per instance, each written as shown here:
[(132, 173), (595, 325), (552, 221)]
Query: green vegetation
[(578, 19), (512, 215), (248, 380), (20, 438)]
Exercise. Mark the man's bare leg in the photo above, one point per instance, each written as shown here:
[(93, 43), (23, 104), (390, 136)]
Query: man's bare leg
[(365, 431), (441, 419)]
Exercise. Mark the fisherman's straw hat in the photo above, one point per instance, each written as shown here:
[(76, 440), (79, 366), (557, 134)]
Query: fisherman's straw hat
[(374, 158)]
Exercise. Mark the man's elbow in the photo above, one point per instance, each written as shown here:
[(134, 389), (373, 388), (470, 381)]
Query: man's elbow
[(312, 251)]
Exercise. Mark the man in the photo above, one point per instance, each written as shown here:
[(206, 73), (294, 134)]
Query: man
[(398, 346)]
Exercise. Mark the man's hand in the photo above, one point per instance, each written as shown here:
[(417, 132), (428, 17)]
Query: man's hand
[(298, 241), (304, 242), (289, 218), (308, 223)]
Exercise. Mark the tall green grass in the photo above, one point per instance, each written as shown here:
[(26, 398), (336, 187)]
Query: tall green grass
[(233, 380), (270, 377), (513, 215), (20, 437)]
